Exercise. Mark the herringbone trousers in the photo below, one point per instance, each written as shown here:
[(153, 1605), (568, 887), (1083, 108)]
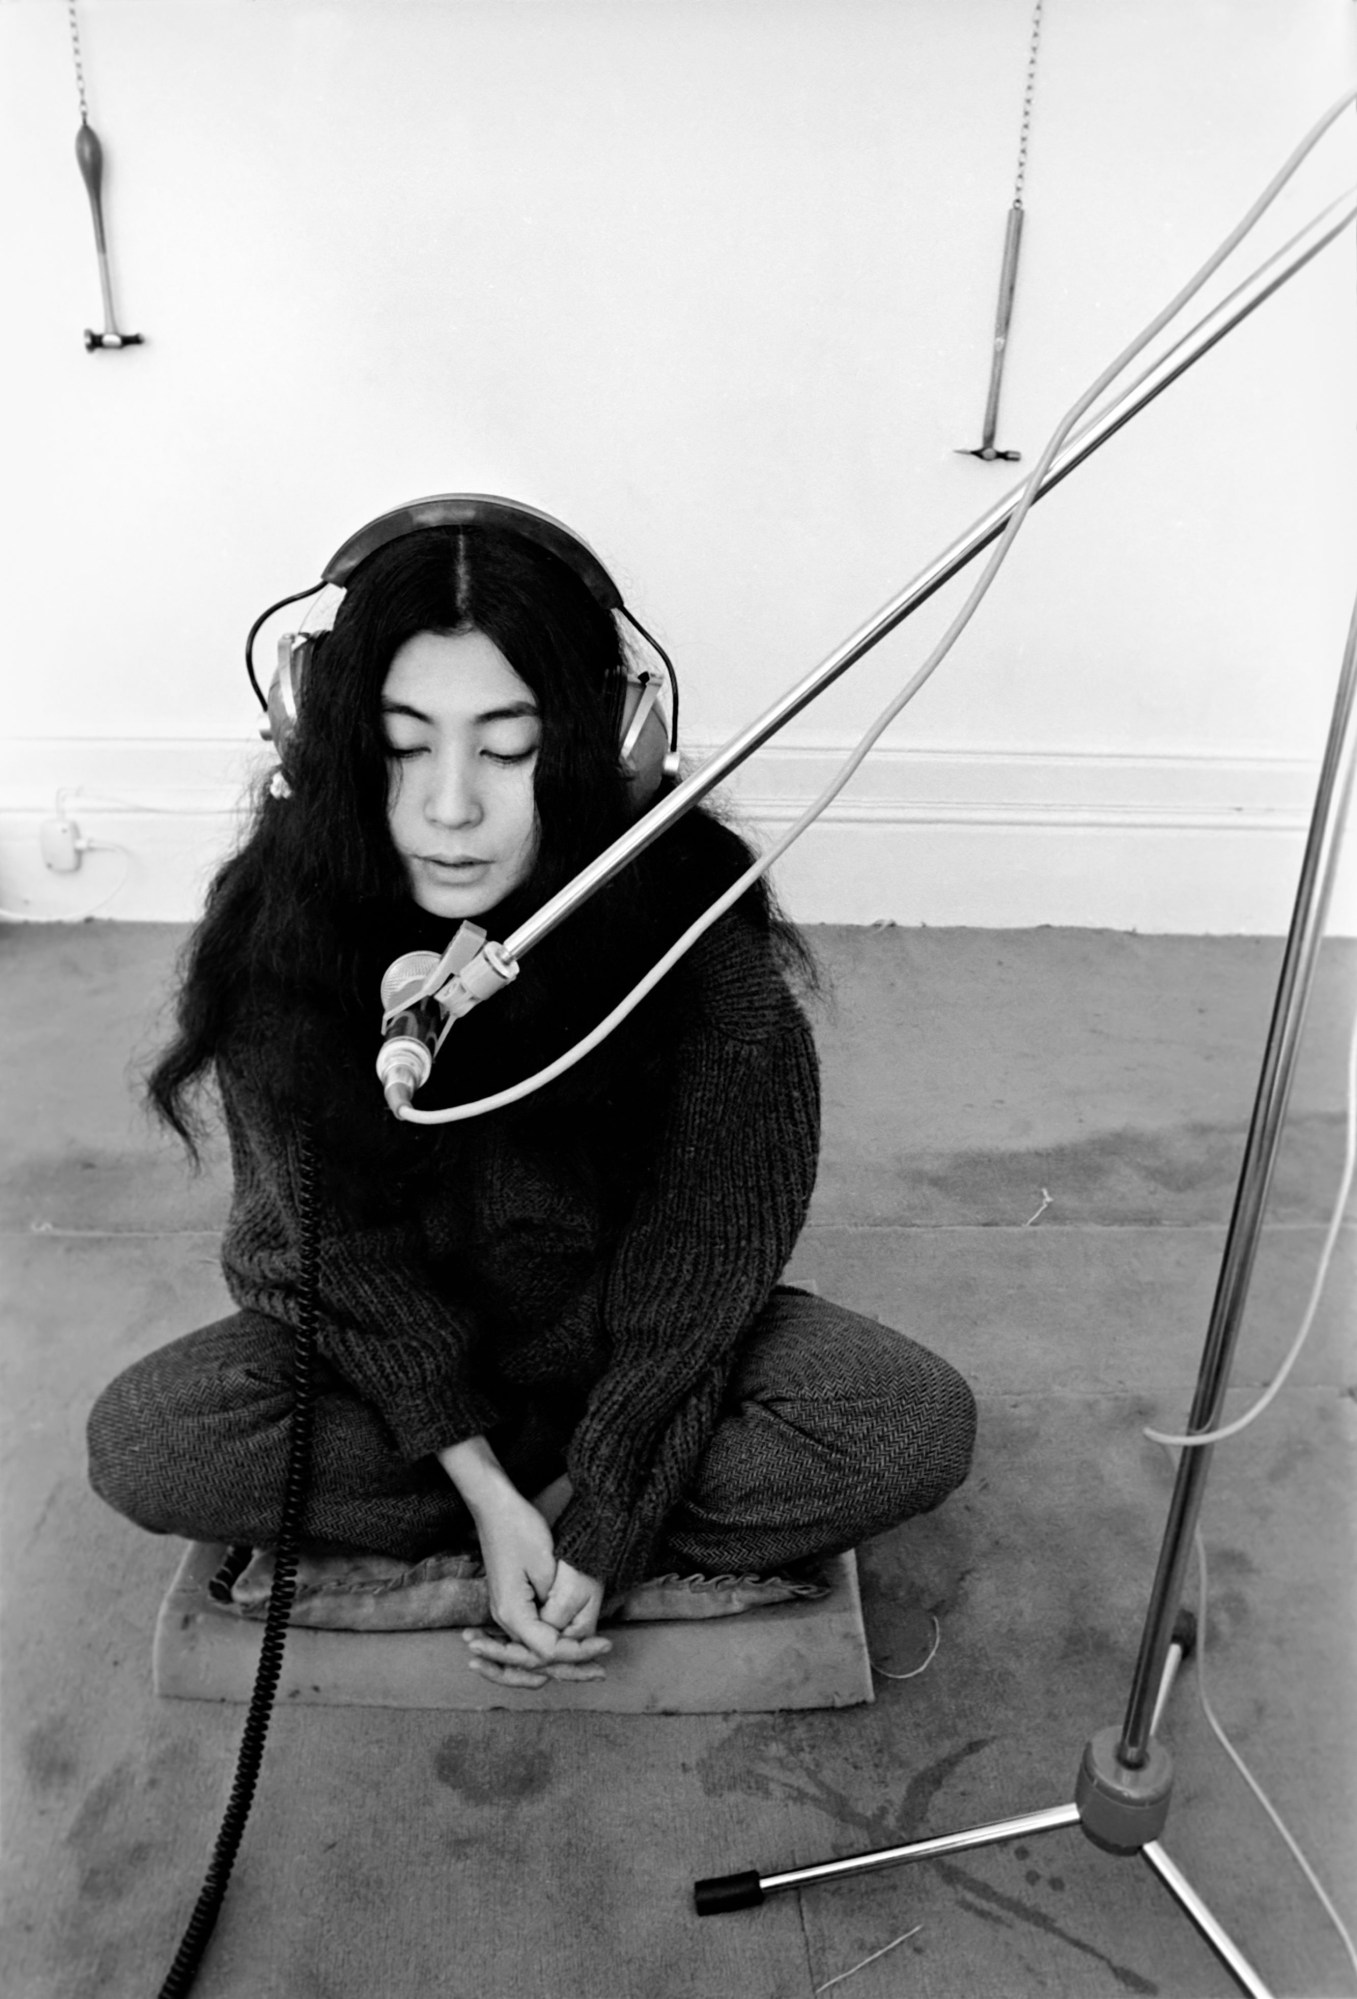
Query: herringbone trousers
[(833, 1429)]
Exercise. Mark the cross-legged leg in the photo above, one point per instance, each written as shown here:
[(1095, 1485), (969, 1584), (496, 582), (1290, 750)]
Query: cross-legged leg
[(835, 1428), (193, 1440)]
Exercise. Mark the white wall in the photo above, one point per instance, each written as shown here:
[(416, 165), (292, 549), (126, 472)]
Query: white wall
[(714, 281)]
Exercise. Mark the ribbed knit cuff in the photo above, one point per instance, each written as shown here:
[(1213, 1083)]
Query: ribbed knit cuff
[(416, 1383), (427, 1424), (611, 1545)]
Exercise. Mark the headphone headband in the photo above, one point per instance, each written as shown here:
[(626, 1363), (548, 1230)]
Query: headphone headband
[(648, 751), (477, 510)]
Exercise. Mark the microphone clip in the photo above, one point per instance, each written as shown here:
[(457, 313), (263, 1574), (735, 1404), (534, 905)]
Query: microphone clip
[(486, 973)]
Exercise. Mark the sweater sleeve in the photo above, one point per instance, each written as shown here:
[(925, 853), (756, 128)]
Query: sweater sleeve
[(706, 1245), (383, 1324)]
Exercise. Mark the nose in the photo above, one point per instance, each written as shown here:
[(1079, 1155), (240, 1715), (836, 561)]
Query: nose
[(453, 797)]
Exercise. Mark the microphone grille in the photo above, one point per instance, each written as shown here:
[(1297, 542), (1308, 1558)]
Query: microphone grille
[(405, 976)]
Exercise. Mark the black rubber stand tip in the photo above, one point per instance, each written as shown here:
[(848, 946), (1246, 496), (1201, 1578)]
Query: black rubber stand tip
[(720, 1893)]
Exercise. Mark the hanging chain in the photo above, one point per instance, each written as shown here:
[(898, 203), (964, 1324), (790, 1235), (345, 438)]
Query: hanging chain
[(1026, 127), (79, 66)]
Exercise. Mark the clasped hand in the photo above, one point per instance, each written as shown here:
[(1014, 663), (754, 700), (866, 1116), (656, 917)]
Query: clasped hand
[(546, 1611)]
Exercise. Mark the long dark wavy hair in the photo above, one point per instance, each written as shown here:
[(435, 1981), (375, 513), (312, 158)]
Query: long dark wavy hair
[(282, 973)]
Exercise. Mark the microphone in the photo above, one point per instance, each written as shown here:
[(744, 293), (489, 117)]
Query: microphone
[(410, 1028), (422, 994)]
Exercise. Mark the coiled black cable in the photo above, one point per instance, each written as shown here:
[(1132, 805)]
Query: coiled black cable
[(203, 1920)]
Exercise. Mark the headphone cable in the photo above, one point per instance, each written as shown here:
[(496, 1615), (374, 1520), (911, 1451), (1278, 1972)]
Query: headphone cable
[(202, 1921), (295, 598), (655, 646)]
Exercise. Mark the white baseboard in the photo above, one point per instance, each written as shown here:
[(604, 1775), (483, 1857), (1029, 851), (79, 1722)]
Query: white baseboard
[(1195, 845), (1188, 845)]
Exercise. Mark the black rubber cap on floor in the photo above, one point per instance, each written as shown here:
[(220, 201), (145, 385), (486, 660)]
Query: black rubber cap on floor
[(722, 1892)]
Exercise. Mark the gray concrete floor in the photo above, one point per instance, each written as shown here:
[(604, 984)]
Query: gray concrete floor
[(550, 1856)]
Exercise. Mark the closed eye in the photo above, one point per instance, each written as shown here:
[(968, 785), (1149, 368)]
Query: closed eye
[(402, 752)]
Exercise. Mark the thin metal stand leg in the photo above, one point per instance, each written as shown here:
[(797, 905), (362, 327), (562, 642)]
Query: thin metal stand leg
[(721, 1893), (1197, 1912)]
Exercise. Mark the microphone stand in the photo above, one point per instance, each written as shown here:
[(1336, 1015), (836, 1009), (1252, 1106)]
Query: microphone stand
[(1125, 1780)]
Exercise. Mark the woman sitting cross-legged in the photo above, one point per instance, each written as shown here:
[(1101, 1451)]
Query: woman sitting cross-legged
[(554, 1336)]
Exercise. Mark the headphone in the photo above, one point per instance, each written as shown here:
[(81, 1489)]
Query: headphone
[(647, 747)]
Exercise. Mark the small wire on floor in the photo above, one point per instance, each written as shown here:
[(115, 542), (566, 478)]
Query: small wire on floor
[(838, 1980), (914, 1671), (1045, 1204)]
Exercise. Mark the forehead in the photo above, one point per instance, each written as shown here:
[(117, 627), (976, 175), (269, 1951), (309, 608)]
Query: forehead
[(453, 676)]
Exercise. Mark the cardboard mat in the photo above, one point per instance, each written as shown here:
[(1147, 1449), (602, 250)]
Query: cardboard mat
[(791, 1655)]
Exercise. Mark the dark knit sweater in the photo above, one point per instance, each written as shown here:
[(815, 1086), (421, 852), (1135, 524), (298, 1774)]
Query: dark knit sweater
[(505, 1281)]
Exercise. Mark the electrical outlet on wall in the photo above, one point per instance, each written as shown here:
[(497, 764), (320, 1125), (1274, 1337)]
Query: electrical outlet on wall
[(61, 845)]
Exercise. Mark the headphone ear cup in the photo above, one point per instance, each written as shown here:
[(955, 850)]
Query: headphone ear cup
[(644, 741), (285, 690)]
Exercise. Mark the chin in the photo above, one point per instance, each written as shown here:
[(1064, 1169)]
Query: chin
[(453, 904)]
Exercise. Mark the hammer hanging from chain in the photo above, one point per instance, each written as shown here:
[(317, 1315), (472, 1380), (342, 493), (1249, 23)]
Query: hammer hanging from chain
[(1008, 275), (90, 158)]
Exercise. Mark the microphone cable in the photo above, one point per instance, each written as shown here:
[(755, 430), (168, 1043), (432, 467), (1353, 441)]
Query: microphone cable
[(482, 1106)]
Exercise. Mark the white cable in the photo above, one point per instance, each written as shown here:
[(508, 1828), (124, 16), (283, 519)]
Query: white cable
[(64, 792), (1222, 304), (1306, 1869), (109, 847), (110, 799), (79, 915), (1197, 1438), (481, 1106)]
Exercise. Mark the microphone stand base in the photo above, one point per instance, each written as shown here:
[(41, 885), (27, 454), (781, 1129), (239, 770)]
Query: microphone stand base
[(1122, 1809), (722, 1894)]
